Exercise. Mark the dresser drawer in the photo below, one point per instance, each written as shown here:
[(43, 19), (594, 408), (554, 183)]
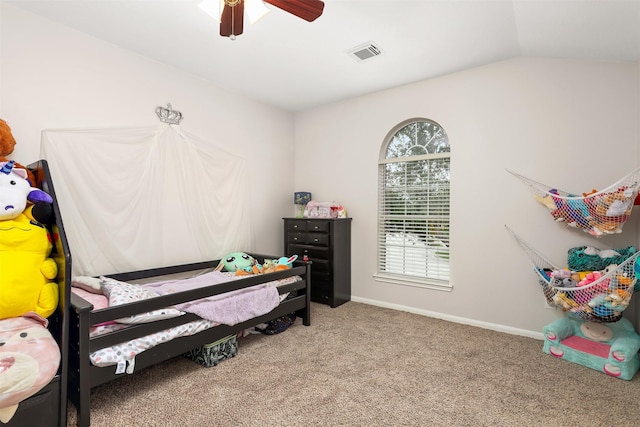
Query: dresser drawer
[(321, 291), (319, 225), (300, 225), (319, 239), (320, 267), (295, 237), (313, 252), (302, 238)]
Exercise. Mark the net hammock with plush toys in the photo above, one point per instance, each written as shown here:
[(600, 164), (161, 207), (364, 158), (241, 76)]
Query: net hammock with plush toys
[(597, 212), (597, 285)]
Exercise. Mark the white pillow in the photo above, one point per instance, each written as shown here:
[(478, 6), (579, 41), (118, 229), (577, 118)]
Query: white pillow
[(89, 284), (124, 293)]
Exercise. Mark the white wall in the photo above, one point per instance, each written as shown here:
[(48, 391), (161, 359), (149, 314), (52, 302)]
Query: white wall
[(571, 124), (53, 77)]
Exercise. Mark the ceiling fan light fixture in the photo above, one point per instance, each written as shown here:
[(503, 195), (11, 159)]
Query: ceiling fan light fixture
[(213, 8), (255, 9), (232, 12)]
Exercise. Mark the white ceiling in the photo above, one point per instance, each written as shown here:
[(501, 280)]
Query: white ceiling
[(293, 64)]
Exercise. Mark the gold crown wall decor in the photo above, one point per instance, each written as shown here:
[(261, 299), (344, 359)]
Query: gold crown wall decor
[(169, 115)]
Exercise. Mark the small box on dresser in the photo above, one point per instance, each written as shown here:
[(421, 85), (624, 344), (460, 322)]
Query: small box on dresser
[(327, 243)]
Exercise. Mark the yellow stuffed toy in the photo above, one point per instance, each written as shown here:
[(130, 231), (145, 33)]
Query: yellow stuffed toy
[(26, 271)]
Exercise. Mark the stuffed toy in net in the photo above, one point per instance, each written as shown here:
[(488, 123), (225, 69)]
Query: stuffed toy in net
[(589, 258), (598, 213), (7, 144), (26, 281), (595, 296)]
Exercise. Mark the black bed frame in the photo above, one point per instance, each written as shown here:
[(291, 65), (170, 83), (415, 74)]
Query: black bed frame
[(70, 323), (83, 376), (48, 407)]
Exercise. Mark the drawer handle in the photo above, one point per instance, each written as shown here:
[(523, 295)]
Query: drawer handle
[(295, 239), (315, 227), (295, 226), (316, 240)]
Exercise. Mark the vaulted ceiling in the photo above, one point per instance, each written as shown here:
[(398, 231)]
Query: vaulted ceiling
[(295, 65)]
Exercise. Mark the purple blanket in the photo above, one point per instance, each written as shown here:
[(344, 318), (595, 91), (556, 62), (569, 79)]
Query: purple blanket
[(229, 308)]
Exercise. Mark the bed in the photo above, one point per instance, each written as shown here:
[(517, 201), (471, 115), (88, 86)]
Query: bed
[(99, 172), (85, 375)]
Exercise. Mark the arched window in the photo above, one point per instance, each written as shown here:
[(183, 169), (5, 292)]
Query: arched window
[(413, 205)]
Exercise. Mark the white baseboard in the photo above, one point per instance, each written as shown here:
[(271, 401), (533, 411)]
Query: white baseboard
[(450, 318)]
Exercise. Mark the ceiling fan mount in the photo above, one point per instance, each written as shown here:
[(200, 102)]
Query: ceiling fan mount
[(232, 16)]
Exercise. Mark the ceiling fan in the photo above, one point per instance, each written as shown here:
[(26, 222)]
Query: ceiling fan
[(231, 12)]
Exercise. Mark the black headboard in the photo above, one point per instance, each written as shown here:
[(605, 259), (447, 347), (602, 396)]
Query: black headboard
[(59, 320)]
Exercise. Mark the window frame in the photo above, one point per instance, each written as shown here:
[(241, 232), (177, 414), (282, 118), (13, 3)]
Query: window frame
[(426, 281)]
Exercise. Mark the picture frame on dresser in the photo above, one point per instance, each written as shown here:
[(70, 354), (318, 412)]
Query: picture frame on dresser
[(326, 242)]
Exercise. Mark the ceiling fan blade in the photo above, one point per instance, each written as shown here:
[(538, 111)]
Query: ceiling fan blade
[(231, 22), (309, 10)]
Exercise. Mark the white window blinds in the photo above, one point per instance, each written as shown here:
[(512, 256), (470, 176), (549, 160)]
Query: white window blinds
[(414, 194)]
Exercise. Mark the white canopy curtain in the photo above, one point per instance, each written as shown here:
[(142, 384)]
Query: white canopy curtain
[(140, 198)]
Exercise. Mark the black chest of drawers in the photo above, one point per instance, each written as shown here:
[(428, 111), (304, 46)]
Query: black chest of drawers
[(327, 243)]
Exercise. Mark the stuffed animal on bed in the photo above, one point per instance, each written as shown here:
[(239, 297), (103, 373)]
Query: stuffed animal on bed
[(29, 359), (236, 261), (7, 144), (244, 264), (25, 244), (269, 266)]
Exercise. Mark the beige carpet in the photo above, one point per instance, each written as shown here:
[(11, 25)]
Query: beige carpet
[(359, 365)]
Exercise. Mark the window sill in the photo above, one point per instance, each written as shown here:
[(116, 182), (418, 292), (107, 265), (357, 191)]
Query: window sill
[(416, 282)]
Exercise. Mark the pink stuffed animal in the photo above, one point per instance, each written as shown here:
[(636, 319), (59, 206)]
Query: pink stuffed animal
[(29, 359), (589, 278)]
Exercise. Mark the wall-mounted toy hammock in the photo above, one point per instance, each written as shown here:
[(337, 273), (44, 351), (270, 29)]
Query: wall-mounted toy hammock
[(597, 212), (598, 296)]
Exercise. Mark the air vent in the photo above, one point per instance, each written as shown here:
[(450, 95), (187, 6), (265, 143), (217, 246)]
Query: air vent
[(365, 51)]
